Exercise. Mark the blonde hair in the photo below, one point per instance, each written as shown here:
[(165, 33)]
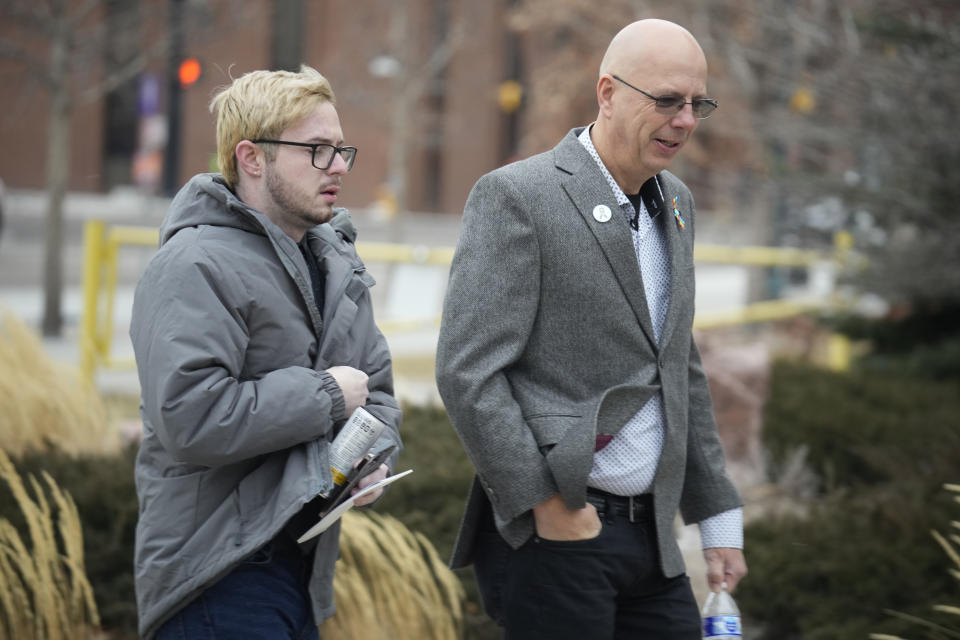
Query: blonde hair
[(261, 104)]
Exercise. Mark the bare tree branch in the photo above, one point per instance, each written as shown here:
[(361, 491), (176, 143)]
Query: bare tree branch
[(35, 66), (129, 71), (28, 18), (84, 12), (436, 63)]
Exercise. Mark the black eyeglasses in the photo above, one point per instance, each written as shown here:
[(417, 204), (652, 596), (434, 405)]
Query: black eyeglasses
[(322, 154), (702, 107)]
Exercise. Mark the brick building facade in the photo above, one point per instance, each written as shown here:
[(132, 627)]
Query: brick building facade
[(419, 86), (453, 129)]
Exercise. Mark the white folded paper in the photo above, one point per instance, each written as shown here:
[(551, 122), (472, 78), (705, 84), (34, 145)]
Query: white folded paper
[(334, 514)]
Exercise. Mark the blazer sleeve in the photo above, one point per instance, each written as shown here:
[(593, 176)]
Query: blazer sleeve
[(707, 489), (489, 310)]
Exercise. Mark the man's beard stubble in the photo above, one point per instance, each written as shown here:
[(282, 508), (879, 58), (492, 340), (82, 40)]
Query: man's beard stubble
[(293, 204)]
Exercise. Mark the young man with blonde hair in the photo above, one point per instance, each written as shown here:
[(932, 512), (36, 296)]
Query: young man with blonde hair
[(254, 337)]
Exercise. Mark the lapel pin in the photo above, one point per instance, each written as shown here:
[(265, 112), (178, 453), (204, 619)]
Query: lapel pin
[(676, 214), (601, 213)]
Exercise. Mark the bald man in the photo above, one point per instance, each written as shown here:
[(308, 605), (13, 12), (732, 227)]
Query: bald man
[(567, 364)]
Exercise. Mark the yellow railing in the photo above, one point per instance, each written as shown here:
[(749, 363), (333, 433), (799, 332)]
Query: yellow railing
[(756, 256), (101, 245)]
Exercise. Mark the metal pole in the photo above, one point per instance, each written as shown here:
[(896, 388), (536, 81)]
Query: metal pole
[(171, 158)]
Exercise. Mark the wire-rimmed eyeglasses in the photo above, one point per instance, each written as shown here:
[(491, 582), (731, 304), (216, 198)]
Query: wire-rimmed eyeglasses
[(702, 107), (322, 154)]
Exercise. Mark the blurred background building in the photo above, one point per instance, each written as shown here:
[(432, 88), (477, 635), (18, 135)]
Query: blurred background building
[(420, 88), (834, 116), (433, 92)]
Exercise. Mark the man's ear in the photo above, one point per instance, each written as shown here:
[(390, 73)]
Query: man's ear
[(605, 94), (250, 159)]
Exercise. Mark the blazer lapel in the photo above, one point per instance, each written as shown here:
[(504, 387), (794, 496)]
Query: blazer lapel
[(587, 189), (678, 263)]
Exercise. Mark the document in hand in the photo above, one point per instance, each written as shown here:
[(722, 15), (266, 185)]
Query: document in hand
[(367, 465), (332, 515)]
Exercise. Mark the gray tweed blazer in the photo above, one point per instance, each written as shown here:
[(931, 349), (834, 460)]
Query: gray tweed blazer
[(546, 341)]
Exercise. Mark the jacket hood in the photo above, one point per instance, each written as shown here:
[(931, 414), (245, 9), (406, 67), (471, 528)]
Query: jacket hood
[(207, 200)]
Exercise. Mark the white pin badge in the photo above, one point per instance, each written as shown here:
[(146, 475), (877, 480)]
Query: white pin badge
[(601, 213)]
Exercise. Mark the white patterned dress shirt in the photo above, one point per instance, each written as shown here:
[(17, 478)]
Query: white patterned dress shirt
[(626, 465)]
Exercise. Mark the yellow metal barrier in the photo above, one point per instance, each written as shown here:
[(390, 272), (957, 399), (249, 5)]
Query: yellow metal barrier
[(101, 245), (756, 256), (402, 253), (92, 264), (766, 311)]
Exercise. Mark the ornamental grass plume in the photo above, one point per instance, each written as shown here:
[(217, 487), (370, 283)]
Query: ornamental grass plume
[(46, 404), (950, 628), (390, 584), (44, 592)]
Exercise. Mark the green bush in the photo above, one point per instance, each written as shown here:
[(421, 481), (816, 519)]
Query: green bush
[(864, 428), (936, 361), (831, 575), (926, 323), (432, 498), (883, 447), (924, 343)]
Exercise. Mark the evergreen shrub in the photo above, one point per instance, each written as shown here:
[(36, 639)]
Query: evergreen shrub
[(883, 447), (924, 343), (432, 498), (865, 428)]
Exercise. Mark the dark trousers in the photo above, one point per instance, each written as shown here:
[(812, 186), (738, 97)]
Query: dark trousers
[(608, 587), (265, 597)]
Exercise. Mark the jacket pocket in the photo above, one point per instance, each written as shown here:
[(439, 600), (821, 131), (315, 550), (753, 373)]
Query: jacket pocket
[(365, 276), (359, 283), (549, 429), (169, 504), (259, 487)]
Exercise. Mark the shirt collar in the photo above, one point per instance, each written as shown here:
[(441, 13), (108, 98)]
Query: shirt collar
[(587, 143), (618, 193)]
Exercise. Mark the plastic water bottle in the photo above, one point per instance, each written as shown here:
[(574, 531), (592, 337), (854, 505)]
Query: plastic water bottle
[(721, 617)]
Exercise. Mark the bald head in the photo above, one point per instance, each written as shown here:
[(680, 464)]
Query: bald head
[(635, 136), (647, 42)]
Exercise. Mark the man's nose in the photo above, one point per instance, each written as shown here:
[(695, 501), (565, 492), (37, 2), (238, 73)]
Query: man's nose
[(685, 118), (338, 166)]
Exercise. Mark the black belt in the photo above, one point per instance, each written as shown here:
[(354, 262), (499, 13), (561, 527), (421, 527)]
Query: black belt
[(633, 508)]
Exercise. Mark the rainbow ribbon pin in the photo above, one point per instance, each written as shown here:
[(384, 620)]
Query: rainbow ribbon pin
[(676, 214)]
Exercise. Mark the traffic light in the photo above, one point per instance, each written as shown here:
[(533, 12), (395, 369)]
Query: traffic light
[(189, 72)]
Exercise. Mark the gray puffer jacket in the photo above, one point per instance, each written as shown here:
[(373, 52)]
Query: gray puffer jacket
[(237, 407)]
